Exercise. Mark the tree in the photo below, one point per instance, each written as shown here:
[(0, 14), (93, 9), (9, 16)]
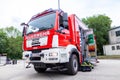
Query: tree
[(12, 32), (14, 48), (3, 42), (100, 24)]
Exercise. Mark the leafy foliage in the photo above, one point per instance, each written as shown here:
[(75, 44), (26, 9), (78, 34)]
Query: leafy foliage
[(15, 47), (12, 32), (100, 24), (12, 40), (3, 41)]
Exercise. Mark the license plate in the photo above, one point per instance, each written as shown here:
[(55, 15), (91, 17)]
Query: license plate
[(35, 55)]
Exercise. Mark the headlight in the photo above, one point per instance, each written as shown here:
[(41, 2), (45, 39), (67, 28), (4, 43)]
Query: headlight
[(53, 54)]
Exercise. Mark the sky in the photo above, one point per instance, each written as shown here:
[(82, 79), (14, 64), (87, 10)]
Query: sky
[(14, 12)]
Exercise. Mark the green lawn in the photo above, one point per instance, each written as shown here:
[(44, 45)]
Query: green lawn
[(109, 57)]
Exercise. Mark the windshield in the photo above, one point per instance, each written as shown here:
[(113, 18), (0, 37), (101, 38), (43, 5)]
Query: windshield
[(41, 23)]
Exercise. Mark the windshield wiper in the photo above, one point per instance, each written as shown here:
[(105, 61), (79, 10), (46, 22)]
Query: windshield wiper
[(38, 29), (44, 28)]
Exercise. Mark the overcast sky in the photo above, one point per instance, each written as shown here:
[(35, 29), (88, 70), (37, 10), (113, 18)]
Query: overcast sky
[(13, 12)]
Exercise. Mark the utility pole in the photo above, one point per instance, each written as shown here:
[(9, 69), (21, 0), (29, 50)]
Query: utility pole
[(59, 4)]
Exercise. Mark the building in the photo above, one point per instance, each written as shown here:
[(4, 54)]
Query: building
[(114, 35), (114, 39)]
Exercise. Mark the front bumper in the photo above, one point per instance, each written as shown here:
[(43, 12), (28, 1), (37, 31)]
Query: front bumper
[(54, 55)]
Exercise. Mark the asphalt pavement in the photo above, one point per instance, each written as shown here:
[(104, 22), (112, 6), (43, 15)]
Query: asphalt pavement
[(105, 70)]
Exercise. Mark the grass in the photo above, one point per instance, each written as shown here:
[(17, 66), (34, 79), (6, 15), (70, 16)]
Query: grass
[(109, 57)]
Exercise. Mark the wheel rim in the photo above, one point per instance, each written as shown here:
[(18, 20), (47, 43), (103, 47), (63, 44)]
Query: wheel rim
[(75, 65)]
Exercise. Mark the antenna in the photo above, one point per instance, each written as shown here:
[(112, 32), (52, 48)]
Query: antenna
[(59, 4)]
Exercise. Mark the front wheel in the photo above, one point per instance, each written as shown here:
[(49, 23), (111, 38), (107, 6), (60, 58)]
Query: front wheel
[(73, 65)]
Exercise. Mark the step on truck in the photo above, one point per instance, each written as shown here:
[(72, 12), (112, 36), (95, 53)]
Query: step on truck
[(52, 39)]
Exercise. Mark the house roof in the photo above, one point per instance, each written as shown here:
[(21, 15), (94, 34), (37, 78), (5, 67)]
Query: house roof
[(114, 28)]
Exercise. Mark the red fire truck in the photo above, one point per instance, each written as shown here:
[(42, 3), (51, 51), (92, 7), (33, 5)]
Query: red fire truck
[(52, 39)]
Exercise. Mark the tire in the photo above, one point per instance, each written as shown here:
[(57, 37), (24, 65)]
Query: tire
[(40, 70), (73, 65)]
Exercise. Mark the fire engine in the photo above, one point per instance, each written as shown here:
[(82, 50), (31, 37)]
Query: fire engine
[(52, 39)]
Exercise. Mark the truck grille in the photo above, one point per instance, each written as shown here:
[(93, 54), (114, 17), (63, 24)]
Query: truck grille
[(35, 58), (35, 42)]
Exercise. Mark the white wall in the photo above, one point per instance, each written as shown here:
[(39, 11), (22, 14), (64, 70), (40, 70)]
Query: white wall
[(112, 36), (3, 59), (108, 49)]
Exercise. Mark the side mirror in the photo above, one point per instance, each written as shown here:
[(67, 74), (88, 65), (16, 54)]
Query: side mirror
[(65, 20), (24, 31), (24, 24), (24, 28)]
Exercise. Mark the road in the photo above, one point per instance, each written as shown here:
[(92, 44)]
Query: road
[(105, 70)]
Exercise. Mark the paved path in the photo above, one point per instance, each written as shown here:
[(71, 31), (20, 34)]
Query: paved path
[(105, 70)]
